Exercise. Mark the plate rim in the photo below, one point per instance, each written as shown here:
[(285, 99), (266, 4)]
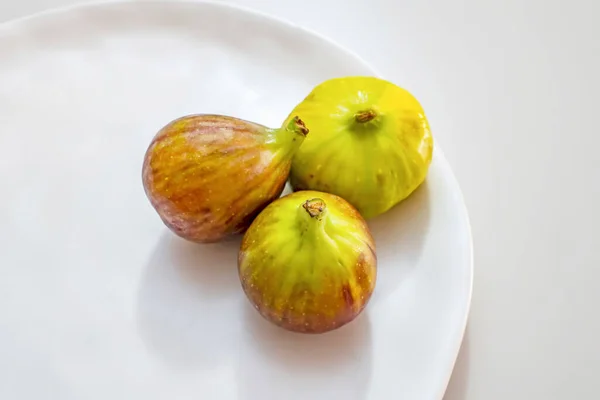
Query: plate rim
[(14, 23)]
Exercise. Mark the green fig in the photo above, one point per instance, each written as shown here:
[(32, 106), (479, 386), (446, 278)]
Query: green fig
[(370, 143), (208, 176), (307, 263)]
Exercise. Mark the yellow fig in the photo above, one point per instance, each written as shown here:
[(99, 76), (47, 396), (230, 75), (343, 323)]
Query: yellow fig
[(370, 143)]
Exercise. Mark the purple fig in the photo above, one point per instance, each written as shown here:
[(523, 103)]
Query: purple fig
[(208, 176)]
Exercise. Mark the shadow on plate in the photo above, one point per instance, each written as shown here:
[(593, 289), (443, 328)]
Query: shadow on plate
[(187, 296), (277, 364), (400, 236), (457, 387)]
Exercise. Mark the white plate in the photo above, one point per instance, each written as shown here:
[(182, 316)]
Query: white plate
[(99, 301)]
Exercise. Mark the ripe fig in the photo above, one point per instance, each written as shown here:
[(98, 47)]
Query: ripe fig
[(370, 143), (307, 263), (208, 176)]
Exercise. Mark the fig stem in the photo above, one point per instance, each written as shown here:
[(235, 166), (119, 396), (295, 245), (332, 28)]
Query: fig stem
[(365, 116), (298, 126), (288, 138), (315, 208)]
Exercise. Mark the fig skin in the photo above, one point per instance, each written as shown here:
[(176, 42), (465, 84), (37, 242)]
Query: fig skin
[(308, 263), (370, 143), (208, 176)]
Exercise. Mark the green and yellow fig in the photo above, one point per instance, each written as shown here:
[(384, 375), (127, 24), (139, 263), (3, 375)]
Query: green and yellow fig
[(370, 143), (208, 176), (307, 263)]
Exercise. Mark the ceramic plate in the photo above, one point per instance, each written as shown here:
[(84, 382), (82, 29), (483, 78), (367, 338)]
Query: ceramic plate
[(98, 300)]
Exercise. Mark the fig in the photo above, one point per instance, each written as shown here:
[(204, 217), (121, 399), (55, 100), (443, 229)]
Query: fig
[(370, 143), (207, 176), (308, 263)]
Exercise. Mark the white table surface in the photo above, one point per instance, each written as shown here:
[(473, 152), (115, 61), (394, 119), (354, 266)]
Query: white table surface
[(511, 88)]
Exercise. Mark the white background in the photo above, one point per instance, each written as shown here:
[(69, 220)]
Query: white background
[(511, 89)]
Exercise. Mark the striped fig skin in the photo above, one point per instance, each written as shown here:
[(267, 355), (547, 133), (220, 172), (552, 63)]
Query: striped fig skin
[(208, 176), (308, 263)]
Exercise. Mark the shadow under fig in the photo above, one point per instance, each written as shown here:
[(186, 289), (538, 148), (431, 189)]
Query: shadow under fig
[(276, 364), (186, 298), (400, 235)]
